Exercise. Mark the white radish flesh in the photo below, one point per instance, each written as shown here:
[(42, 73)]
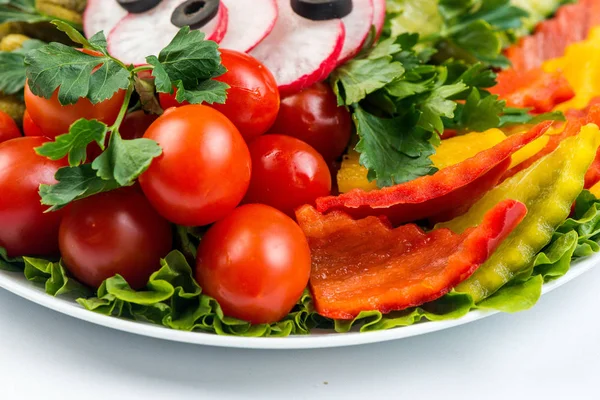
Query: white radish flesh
[(358, 25), (140, 35), (300, 52), (101, 15), (250, 21)]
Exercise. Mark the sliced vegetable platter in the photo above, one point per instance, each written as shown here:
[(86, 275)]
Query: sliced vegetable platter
[(18, 285), (296, 173)]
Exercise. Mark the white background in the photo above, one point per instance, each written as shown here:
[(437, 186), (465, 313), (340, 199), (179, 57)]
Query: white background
[(550, 352)]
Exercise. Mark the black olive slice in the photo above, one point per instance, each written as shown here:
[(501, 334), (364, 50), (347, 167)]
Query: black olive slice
[(138, 6), (322, 10), (195, 13)]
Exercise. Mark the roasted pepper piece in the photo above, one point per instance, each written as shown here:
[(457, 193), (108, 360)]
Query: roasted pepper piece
[(541, 91), (445, 194), (365, 265), (548, 189), (572, 128)]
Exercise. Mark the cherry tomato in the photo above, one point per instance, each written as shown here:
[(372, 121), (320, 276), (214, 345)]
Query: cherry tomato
[(114, 233), (255, 263), (29, 127), (55, 119), (253, 99), (136, 124), (314, 117), (286, 173), (8, 128), (204, 170), (24, 227)]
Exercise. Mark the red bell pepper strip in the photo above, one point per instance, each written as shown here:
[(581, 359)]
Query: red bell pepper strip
[(571, 24), (572, 128), (446, 193), (365, 265), (535, 88)]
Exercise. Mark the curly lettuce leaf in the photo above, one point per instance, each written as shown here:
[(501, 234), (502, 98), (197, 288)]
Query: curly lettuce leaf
[(172, 298)]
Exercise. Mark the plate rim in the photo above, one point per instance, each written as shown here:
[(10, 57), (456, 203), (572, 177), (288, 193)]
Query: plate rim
[(28, 291)]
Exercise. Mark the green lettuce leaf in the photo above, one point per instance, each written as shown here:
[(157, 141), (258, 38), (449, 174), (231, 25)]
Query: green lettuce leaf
[(172, 298)]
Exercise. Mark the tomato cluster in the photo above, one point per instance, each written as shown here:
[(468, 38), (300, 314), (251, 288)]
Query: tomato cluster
[(239, 168)]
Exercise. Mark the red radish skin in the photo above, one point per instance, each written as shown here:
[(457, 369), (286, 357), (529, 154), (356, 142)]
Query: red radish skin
[(357, 25), (379, 8), (102, 15), (300, 52), (140, 35), (243, 33)]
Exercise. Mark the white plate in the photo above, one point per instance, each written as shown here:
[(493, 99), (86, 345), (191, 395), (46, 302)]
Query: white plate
[(16, 283)]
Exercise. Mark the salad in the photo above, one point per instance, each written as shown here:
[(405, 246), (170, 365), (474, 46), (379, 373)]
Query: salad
[(269, 167)]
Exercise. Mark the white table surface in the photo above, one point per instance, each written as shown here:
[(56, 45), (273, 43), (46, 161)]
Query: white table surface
[(550, 352)]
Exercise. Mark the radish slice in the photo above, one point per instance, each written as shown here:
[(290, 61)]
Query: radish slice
[(358, 25), (140, 35), (379, 15), (300, 52), (101, 15), (244, 33)]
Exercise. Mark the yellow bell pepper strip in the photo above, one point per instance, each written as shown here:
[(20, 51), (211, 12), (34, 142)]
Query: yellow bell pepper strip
[(459, 148), (529, 151), (451, 151), (352, 175), (548, 188), (595, 190), (581, 67)]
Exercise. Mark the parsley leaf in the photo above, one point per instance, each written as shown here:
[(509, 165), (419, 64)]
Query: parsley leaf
[(125, 160), (74, 144), (12, 67), (394, 150), (189, 63), (478, 113), (74, 73), (520, 116), (74, 183)]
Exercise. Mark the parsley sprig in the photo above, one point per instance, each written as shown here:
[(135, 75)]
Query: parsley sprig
[(407, 90), (189, 64)]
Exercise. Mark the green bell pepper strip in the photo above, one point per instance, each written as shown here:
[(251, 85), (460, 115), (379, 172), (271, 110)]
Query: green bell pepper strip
[(548, 188)]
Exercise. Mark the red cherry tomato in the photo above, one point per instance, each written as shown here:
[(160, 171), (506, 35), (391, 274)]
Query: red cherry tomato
[(8, 128), (114, 233), (29, 127), (286, 173), (253, 99), (24, 227), (255, 263), (55, 119), (204, 170), (136, 124), (314, 117)]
